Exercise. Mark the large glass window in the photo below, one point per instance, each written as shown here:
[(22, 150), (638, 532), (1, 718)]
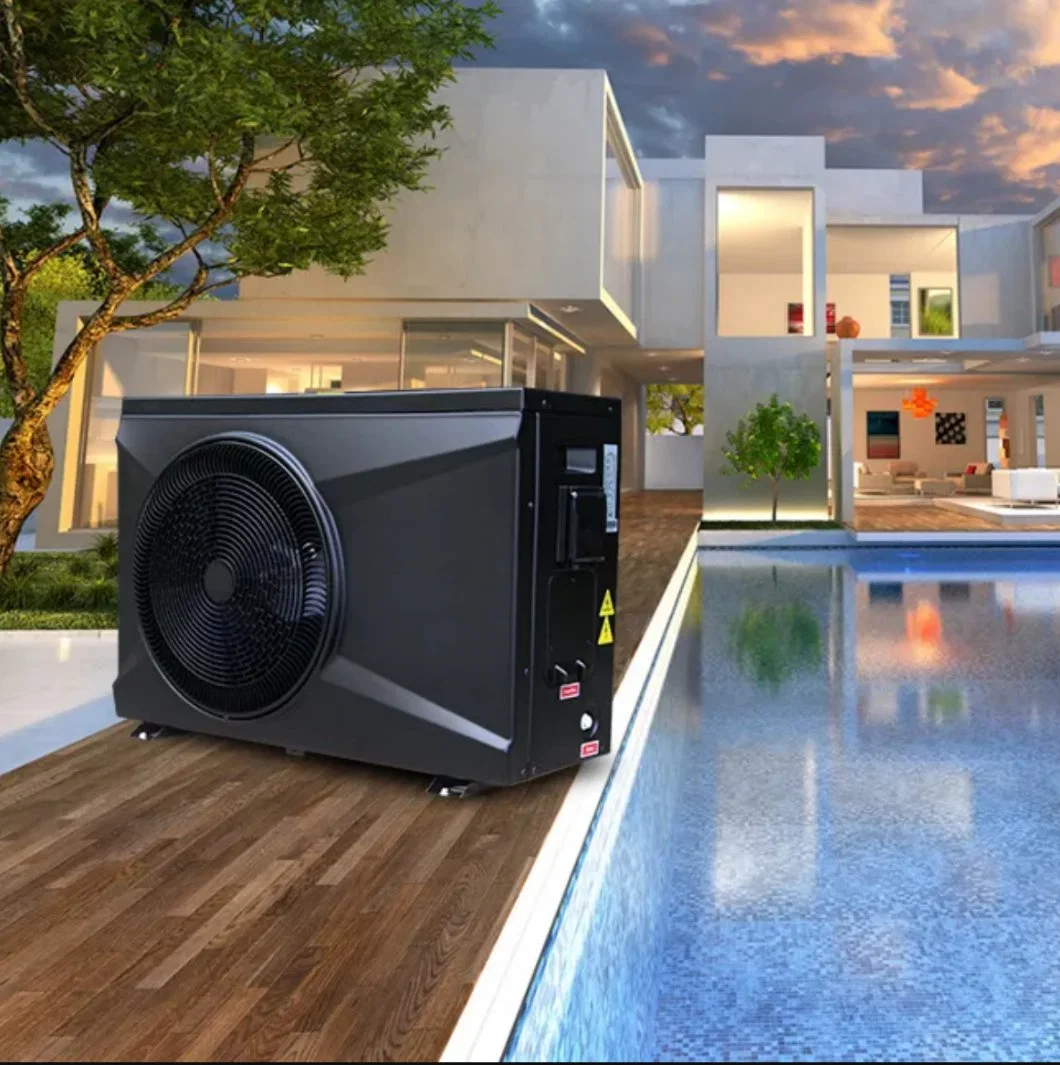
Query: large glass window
[(621, 227), (453, 355), (242, 357), (149, 362), (765, 262), (875, 274)]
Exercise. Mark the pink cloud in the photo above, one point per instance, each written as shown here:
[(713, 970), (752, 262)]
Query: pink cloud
[(946, 91), (1031, 152), (806, 30)]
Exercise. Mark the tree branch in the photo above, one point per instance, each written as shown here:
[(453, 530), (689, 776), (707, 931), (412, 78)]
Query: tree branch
[(170, 310), (50, 253), (220, 214), (88, 203), (294, 141), (19, 81), (12, 310)]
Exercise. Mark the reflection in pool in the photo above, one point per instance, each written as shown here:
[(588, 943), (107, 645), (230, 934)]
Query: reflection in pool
[(847, 853)]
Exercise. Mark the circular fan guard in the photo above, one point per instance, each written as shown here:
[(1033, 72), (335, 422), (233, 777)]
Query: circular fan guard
[(237, 575)]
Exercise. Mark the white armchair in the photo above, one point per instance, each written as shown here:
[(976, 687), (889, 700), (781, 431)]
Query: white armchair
[(1025, 486)]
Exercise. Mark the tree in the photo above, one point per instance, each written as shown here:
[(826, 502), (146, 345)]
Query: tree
[(71, 275), (772, 642), (254, 137), (773, 442), (674, 408)]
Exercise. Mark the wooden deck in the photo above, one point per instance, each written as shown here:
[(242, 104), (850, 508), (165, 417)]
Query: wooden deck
[(929, 518), (198, 899)]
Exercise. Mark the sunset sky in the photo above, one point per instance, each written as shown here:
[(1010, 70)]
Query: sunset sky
[(967, 89)]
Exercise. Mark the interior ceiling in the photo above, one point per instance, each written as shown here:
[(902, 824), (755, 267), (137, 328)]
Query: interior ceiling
[(980, 370), (763, 244), (663, 367)]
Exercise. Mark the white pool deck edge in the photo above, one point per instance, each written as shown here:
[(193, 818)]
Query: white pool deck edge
[(489, 1017)]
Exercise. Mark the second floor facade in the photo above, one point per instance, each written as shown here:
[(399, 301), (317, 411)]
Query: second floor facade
[(539, 197)]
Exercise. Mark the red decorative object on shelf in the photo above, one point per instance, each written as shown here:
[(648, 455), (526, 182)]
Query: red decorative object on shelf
[(847, 328)]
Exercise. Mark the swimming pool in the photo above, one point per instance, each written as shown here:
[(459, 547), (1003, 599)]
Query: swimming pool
[(841, 840)]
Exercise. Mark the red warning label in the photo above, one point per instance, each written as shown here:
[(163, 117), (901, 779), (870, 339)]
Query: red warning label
[(570, 691), (590, 749)]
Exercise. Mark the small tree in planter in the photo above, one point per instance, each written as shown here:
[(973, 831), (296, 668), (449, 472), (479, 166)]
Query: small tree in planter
[(773, 442)]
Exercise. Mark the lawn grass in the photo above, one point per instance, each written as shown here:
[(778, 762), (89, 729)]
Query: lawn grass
[(780, 526), (62, 589)]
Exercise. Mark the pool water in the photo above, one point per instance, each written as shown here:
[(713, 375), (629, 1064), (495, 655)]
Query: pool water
[(842, 838)]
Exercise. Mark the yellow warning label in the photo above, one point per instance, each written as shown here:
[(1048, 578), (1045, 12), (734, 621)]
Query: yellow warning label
[(608, 608), (605, 633)]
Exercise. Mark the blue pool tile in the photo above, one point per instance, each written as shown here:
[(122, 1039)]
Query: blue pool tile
[(843, 839)]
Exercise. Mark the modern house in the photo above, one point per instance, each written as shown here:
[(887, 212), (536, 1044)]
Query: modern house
[(546, 252)]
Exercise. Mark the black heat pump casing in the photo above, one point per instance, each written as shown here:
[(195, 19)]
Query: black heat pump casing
[(424, 579)]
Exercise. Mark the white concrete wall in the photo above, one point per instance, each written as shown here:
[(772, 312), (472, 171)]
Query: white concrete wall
[(866, 298), (917, 435), (672, 269), (673, 462), (873, 192), (772, 158), (621, 239), (513, 208), (615, 383), (756, 305), (996, 279)]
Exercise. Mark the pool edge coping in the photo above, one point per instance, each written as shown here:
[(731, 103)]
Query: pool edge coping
[(489, 1017)]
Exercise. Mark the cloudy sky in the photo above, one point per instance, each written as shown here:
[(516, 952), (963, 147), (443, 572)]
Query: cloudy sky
[(967, 89)]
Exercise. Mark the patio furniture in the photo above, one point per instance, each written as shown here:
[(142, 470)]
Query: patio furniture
[(875, 482), (934, 486), (905, 471), (977, 482), (1025, 486)]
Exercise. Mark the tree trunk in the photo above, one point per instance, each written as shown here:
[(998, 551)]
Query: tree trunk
[(26, 465), (776, 496)]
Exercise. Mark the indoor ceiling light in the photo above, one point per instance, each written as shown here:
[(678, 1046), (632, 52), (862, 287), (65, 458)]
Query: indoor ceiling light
[(485, 356), (570, 309)]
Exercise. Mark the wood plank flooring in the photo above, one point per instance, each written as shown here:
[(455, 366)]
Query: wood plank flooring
[(197, 899), (929, 518)]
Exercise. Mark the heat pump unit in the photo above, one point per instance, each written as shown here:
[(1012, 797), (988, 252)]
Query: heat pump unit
[(423, 579)]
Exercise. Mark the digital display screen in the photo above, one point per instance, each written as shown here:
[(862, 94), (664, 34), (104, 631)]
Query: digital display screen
[(581, 460)]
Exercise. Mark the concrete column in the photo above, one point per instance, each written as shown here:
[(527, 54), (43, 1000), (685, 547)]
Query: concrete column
[(841, 364), (583, 374), (1052, 426), (739, 373), (1021, 430)]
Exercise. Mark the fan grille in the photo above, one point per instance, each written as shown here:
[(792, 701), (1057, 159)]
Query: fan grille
[(236, 574)]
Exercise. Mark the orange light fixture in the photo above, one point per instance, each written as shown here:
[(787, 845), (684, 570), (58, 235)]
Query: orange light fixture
[(920, 405)]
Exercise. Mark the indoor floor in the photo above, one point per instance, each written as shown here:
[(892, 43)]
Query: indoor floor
[(926, 517)]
